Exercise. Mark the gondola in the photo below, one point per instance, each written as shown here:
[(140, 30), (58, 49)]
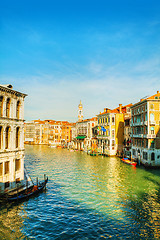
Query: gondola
[(127, 161), (21, 196)]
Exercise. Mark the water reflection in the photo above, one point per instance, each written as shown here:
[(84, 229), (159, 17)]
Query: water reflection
[(11, 222), (88, 198)]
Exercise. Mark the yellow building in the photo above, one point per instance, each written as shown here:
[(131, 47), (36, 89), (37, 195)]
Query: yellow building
[(145, 124), (111, 130), (41, 132)]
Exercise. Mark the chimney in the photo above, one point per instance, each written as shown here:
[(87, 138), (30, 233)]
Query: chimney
[(157, 92), (120, 108), (106, 109)]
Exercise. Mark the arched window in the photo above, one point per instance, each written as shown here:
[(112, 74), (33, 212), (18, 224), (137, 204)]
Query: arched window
[(18, 110), (17, 137), (1, 137), (1, 106), (7, 138), (8, 104)]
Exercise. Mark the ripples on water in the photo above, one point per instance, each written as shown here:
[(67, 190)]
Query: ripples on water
[(86, 198)]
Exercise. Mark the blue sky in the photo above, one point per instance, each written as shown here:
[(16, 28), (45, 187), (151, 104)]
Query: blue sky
[(59, 52)]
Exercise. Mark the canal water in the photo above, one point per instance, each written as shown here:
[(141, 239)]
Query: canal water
[(86, 198)]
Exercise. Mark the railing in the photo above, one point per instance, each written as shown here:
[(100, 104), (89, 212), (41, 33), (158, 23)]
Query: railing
[(152, 122), (136, 123), (143, 135), (137, 135), (149, 135)]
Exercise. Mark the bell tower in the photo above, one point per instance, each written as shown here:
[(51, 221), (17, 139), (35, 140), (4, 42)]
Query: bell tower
[(80, 112)]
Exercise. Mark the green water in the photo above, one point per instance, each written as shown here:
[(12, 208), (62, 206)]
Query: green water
[(87, 197)]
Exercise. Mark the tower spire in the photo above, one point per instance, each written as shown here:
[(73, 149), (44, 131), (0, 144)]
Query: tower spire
[(80, 112)]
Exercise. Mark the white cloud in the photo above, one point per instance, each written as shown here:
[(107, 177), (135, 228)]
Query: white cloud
[(51, 96)]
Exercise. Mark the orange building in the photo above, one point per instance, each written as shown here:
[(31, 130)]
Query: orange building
[(50, 132), (66, 133)]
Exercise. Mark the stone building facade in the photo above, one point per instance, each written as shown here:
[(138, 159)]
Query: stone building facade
[(11, 137)]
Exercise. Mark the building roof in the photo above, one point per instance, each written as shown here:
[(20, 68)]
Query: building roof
[(88, 119), (153, 97), (116, 110), (9, 88)]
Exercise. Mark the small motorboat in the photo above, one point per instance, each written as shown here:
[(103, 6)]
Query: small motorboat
[(126, 160), (29, 192)]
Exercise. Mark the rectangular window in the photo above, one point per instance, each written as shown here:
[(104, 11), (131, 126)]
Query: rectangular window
[(152, 144), (146, 107), (7, 167), (145, 155), (151, 106), (112, 133), (112, 120), (6, 185), (17, 164), (0, 137), (1, 169), (152, 117), (152, 130)]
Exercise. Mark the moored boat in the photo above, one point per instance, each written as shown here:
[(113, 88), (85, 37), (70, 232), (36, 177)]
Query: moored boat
[(21, 196), (127, 161)]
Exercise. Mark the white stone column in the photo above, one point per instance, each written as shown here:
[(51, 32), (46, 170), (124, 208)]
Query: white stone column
[(11, 115), (11, 137), (21, 110), (4, 106), (22, 137), (4, 137)]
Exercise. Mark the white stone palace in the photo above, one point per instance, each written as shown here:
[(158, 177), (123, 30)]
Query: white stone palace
[(11, 138)]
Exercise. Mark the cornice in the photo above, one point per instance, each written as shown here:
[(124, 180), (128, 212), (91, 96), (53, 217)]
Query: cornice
[(9, 90)]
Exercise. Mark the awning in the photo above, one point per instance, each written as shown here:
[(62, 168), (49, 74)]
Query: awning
[(80, 137)]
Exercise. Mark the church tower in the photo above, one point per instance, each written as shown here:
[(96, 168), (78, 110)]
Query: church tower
[(80, 112)]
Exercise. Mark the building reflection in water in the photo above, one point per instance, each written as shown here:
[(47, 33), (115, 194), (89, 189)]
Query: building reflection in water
[(11, 222)]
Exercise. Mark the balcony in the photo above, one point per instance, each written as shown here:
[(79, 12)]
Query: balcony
[(137, 135), (152, 122), (103, 137), (139, 123), (149, 136), (136, 124)]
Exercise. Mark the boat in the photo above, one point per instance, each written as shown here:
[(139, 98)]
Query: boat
[(93, 154), (20, 188), (53, 146), (126, 160), (29, 192)]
